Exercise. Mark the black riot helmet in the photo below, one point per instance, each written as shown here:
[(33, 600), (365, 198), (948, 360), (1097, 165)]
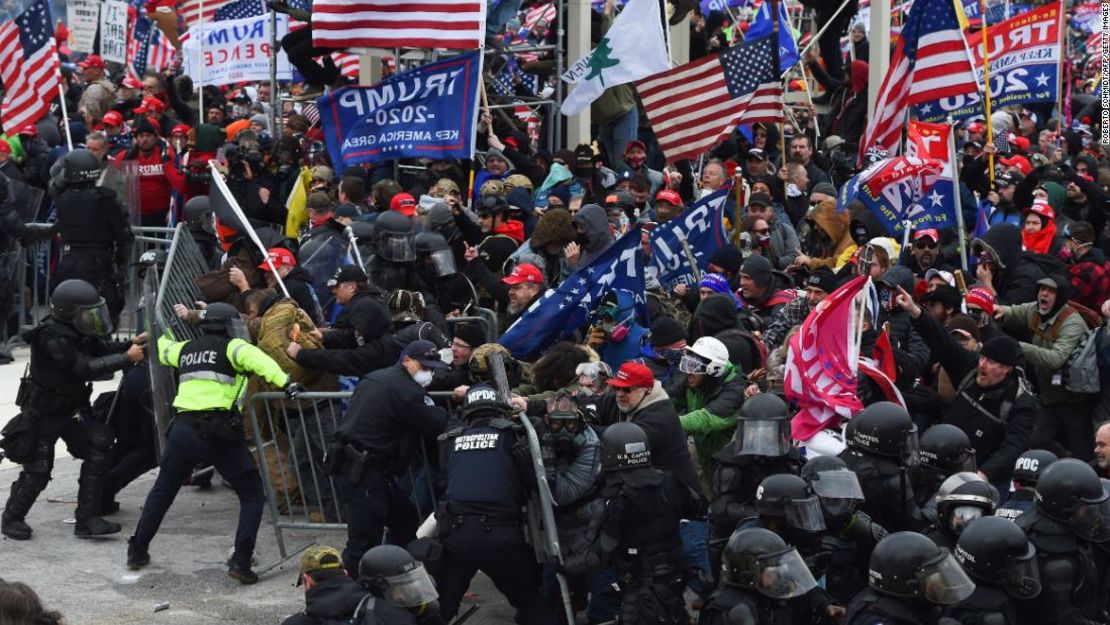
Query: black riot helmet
[(393, 574), (910, 566), (79, 304), (432, 249), (393, 237), (964, 497), (1069, 491), (482, 402), (441, 220), (836, 486), (884, 429), (624, 445), (764, 426), (785, 495), (199, 215), (218, 318), (80, 167), (758, 559), (946, 449), (1030, 464), (995, 551)]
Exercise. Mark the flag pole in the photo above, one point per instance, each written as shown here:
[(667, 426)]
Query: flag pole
[(65, 117), (960, 226), (777, 68), (986, 94), (1060, 68), (275, 110), (200, 65)]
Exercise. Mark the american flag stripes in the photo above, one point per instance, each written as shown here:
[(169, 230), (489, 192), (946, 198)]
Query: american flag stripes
[(930, 62), (191, 10), (28, 67), (451, 24), (147, 48), (694, 106)]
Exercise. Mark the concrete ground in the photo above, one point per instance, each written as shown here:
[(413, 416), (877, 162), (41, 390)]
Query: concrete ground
[(87, 579)]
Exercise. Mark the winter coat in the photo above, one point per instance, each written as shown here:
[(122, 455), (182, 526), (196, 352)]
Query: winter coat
[(330, 601), (1016, 280), (835, 225), (595, 223), (910, 352), (1054, 339), (708, 413), (1090, 278), (273, 338)]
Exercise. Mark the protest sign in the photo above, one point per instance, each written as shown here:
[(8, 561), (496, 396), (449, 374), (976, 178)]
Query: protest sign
[(113, 32), (231, 51), (83, 17), (702, 227)]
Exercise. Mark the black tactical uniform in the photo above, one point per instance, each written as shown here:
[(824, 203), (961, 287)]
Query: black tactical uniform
[(882, 443), (392, 265), (759, 573), (487, 467), (201, 221), (67, 353), (945, 450), (1071, 514), (1027, 470), (96, 236), (639, 530), (1003, 564), (403, 592), (961, 499), (909, 578)]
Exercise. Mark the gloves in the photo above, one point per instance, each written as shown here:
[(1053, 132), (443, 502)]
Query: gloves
[(293, 389)]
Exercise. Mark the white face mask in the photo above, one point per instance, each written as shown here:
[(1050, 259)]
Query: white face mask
[(423, 378)]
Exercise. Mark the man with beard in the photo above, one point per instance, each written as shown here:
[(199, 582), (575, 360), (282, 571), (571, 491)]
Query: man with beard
[(1090, 279), (818, 286), (764, 290), (1005, 211), (525, 286), (1056, 329), (926, 253), (801, 151)]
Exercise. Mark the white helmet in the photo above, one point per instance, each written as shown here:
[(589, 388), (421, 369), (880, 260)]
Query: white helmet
[(707, 355)]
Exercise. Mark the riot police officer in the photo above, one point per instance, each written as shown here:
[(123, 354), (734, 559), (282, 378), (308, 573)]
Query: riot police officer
[(488, 469), (94, 228), (850, 536), (759, 572), (408, 595), (1071, 514), (68, 351), (392, 265), (435, 264), (909, 577), (212, 375), (761, 447), (1027, 470), (201, 222), (945, 450), (638, 530), (961, 499), (1003, 565), (330, 595), (881, 445)]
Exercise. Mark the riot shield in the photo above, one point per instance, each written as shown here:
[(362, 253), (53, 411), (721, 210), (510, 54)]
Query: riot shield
[(163, 381), (541, 530), (123, 178), (321, 257)]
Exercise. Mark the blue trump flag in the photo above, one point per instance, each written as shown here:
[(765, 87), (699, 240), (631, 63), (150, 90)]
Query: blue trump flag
[(702, 226), (428, 112), (761, 25), (901, 189), (561, 311)]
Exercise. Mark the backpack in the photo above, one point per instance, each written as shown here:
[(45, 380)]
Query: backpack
[(1081, 371), (363, 614)]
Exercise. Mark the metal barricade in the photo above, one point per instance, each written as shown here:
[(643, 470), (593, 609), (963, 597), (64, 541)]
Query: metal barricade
[(290, 443)]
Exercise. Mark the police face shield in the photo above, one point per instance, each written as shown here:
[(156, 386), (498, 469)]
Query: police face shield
[(93, 320), (837, 484), (1091, 521), (764, 438), (963, 515), (805, 514), (1023, 577), (411, 589), (784, 576), (911, 448), (944, 581), (443, 263), (397, 247)]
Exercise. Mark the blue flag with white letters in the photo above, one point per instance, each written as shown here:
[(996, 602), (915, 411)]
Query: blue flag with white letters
[(561, 311), (702, 226), (425, 112), (761, 25)]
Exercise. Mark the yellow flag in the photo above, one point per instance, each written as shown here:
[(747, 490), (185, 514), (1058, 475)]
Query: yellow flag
[(961, 15), (296, 213)]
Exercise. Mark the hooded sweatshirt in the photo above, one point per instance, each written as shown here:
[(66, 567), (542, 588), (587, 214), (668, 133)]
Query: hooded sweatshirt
[(335, 599), (595, 223), (836, 226), (1015, 280)]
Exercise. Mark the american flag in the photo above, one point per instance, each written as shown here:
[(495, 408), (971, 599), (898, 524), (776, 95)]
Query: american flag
[(347, 63), (694, 106), (543, 11), (147, 48), (28, 67), (239, 9), (930, 62), (531, 121), (190, 10), (451, 24)]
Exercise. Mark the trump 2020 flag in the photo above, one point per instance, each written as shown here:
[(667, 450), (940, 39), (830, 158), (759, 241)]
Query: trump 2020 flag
[(425, 112), (702, 227), (823, 360), (635, 47), (563, 310), (933, 142), (762, 25), (893, 189)]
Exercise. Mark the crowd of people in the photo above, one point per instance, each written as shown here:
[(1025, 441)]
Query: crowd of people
[(971, 487)]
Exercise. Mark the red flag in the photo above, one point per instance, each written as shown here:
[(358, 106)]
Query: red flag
[(823, 360), (884, 354)]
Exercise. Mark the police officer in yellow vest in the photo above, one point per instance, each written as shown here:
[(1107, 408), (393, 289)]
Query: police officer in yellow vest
[(212, 376)]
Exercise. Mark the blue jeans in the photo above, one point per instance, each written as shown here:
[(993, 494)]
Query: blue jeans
[(184, 449), (695, 546), (615, 135)]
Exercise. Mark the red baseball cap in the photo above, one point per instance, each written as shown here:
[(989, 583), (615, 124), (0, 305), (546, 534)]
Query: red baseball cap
[(1020, 162), (927, 232), (1041, 208), (981, 298), (976, 127), (633, 375), (280, 257), (131, 83), (524, 273), (112, 118), (5, 147), (1021, 143), (29, 129), (92, 60), (150, 104), (671, 197), (403, 203), (180, 129)]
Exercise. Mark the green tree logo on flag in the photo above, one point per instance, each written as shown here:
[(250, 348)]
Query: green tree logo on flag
[(600, 60)]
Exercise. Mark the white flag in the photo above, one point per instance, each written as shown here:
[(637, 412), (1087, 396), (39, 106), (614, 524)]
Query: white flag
[(634, 47)]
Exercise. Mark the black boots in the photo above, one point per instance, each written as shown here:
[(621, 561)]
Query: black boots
[(137, 557), (23, 494), (95, 526), (240, 568)]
